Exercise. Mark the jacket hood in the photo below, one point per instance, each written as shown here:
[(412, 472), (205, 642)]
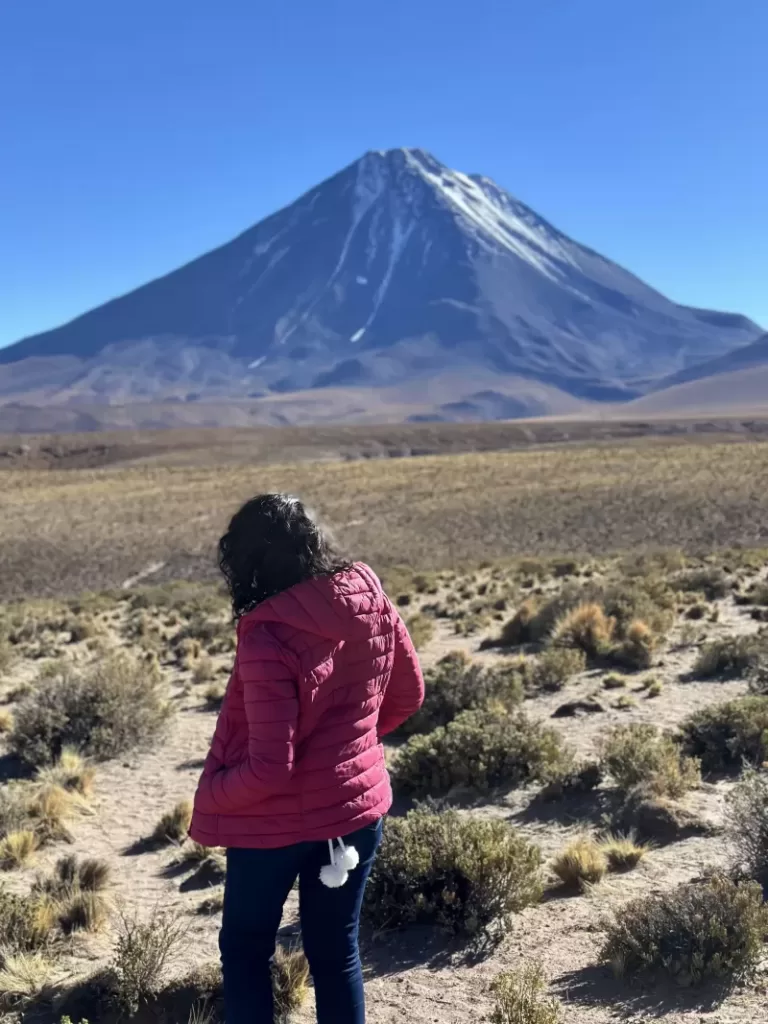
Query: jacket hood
[(345, 606)]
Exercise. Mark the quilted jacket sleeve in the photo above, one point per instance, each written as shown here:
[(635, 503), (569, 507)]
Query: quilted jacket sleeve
[(269, 677), (405, 691)]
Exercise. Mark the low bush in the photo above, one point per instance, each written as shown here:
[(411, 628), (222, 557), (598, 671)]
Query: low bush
[(421, 630), (732, 656), (582, 863), (479, 751), (572, 780), (710, 581), (552, 669), (746, 820), (461, 874), (657, 819), (640, 754), (520, 999), (105, 710), (695, 932), (724, 736), (458, 684), (142, 952)]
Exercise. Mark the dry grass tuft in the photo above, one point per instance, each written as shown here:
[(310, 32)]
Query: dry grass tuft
[(290, 982), (623, 852), (174, 824), (582, 863), (637, 649), (71, 772), (6, 720), (17, 849), (586, 628), (24, 976)]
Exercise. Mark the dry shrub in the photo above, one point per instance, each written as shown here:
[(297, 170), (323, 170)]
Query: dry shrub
[(17, 849), (654, 689), (462, 874), (520, 998), (732, 656), (421, 630), (174, 824), (639, 754), (582, 863), (572, 780), (623, 852), (519, 629), (696, 932), (710, 581), (203, 671), (143, 951), (724, 736), (746, 819), (290, 982), (107, 709), (458, 684), (586, 628), (552, 669), (479, 751)]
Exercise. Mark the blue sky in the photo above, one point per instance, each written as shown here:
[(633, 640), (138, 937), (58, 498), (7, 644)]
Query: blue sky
[(137, 135)]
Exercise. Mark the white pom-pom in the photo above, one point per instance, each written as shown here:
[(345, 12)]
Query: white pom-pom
[(349, 858), (334, 875)]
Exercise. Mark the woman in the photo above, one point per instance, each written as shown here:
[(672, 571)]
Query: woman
[(295, 784)]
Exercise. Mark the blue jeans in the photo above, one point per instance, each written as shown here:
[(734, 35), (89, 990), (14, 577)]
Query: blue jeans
[(257, 886)]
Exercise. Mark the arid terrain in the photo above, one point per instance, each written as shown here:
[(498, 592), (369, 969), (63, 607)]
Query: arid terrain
[(592, 595)]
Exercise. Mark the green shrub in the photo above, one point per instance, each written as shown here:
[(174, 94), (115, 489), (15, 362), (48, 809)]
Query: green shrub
[(732, 656), (457, 684), (461, 874), (520, 999), (421, 630), (695, 932), (552, 669), (572, 780), (105, 710), (639, 754), (480, 750), (725, 735), (746, 819)]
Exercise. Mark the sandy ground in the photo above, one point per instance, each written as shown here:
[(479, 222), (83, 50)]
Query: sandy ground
[(415, 977)]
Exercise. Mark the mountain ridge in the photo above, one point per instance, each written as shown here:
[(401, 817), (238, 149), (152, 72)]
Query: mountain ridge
[(395, 268)]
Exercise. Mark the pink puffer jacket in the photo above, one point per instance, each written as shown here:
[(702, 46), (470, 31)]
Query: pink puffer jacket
[(322, 672)]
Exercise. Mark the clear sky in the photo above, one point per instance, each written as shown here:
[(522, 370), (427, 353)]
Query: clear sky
[(137, 134)]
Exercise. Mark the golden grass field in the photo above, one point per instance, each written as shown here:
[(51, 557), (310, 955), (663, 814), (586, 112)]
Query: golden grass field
[(65, 531)]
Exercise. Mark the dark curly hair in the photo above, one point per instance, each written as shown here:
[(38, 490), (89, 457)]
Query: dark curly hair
[(273, 544)]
